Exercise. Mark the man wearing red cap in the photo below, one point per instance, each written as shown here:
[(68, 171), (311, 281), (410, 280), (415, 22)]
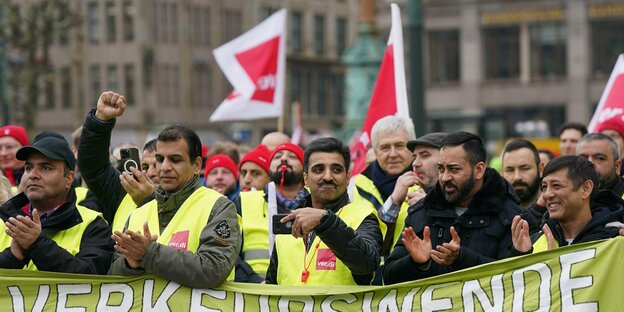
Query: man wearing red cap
[(221, 175), (282, 195), (12, 138), (254, 169)]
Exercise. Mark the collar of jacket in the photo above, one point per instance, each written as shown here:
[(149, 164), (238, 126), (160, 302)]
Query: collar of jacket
[(601, 215), (174, 201), (64, 218), (616, 186), (340, 202), (488, 200)]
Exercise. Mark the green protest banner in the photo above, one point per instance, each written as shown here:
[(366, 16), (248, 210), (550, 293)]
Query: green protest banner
[(585, 277)]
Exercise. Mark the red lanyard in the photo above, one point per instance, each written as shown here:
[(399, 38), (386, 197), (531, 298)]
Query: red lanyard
[(305, 273)]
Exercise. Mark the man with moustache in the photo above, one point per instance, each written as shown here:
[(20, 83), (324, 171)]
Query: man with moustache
[(522, 168), (341, 240), (604, 154), (463, 222), (282, 195)]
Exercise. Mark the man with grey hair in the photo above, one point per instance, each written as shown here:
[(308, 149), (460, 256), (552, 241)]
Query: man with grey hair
[(376, 183), (604, 154)]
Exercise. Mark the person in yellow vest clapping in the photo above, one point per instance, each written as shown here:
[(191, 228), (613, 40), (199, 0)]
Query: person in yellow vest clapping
[(333, 242), (53, 233)]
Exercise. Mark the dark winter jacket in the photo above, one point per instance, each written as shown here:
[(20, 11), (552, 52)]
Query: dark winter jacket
[(97, 171), (484, 230), (358, 249), (607, 207), (96, 246)]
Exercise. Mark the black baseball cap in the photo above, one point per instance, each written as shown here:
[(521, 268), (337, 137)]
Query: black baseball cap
[(52, 147), (433, 139)]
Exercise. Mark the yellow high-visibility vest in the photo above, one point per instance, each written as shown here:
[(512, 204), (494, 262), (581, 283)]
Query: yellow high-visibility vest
[(126, 207), (323, 267), (68, 239), (255, 227), (367, 185)]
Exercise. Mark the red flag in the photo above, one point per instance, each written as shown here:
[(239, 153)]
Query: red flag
[(390, 94), (254, 63), (610, 109)]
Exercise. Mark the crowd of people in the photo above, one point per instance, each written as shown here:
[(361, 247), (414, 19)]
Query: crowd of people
[(281, 214)]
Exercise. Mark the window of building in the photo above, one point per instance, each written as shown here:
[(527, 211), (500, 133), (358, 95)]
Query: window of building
[(337, 94), (202, 81), (296, 32), (130, 83), (128, 20), (173, 25), (205, 22), (111, 76), (94, 22), (548, 50), (162, 22), (175, 85), (295, 85), (233, 24), (201, 26), (63, 35), (267, 11), (607, 44), (321, 94), (341, 35), (319, 34), (502, 52), (95, 75), (443, 56), (111, 24), (66, 90)]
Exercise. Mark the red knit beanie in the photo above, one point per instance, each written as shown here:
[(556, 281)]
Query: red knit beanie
[(16, 132), (289, 147), (221, 160), (260, 156), (615, 124)]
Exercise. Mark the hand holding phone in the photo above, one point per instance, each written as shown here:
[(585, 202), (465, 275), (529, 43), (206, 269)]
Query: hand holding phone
[(129, 159), (279, 227)]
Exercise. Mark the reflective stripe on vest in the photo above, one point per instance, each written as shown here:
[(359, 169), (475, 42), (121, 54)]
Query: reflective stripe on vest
[(541, 244), (185, 227), (68, 239), (255, 229), (323, 270), (126, 207), (81, 193)]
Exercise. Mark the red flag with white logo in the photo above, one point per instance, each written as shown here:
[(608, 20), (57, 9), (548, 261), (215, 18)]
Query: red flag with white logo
[(611, 106), (389, 95), (255, 65)]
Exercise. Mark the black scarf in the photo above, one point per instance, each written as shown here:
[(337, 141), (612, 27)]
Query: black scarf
[(384, 183)]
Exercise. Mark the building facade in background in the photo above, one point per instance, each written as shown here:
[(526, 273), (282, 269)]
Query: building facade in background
[(159, 54), (498, 68), (518, 68)]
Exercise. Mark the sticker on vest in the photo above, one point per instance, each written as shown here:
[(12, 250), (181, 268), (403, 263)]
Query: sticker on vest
[(223, 229), (179, 240), (325, 259)]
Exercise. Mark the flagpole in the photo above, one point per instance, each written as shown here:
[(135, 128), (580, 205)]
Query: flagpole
[(280, 123)]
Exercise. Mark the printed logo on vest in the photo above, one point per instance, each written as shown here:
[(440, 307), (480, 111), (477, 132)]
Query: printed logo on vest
[(325, 260), (179, 240)]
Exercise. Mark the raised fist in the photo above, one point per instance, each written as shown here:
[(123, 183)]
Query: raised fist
[(110, 105)]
